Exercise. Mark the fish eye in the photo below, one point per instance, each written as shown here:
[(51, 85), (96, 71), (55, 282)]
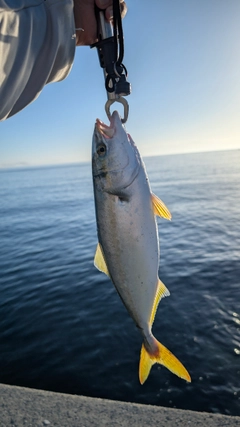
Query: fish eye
[(101, 150)]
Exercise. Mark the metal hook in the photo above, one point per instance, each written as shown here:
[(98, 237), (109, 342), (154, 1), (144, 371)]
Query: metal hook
[(122, 101)]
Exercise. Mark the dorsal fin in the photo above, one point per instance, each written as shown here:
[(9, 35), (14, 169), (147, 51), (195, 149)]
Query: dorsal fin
[(99, 260), (162, 292), (159, 208)]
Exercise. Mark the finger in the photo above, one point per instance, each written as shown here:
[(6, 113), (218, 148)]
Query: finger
[(109, 11), (123, 8), (103, 4)]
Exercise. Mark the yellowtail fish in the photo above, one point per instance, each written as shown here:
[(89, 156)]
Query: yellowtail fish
[(128, 248)]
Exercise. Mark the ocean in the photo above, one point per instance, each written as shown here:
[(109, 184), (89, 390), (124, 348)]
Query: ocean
[(62, 325)]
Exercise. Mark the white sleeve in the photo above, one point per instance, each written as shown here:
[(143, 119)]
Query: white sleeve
[(37, 46)]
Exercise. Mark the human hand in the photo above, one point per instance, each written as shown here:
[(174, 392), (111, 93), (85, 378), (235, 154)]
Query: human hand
[(84, 15)]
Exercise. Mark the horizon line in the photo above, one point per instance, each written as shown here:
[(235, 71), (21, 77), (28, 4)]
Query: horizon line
[(25, 165)]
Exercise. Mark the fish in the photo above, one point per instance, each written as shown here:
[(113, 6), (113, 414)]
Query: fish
[(128, 244)]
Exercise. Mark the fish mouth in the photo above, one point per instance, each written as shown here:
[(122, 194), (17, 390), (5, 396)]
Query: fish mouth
[(109, 131), (105, 130)]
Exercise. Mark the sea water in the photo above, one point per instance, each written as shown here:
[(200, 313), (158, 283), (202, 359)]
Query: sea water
[(62, 324)]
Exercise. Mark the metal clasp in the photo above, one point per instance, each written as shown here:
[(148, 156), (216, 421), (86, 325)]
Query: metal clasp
[(122, 101)]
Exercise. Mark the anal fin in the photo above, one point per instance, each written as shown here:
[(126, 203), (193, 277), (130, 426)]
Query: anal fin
[(162, 291)]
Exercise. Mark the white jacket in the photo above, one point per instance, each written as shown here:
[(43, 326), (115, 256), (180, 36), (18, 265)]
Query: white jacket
[(37, 46)]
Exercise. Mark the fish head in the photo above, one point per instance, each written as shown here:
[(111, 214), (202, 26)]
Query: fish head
[(115, 158)]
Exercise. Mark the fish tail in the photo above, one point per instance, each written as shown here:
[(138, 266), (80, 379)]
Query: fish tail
[(163, 356)]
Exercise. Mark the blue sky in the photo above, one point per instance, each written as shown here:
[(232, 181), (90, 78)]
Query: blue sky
[(183, 59)]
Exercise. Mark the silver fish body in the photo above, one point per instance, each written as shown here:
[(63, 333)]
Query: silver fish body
[(128, 248)]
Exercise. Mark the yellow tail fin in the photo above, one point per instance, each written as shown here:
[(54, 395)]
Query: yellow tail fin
[(165, 358)]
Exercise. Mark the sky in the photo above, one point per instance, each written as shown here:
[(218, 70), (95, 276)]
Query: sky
[(183, 60)]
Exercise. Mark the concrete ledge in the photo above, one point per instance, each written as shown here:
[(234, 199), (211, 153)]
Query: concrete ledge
[(37, 408)]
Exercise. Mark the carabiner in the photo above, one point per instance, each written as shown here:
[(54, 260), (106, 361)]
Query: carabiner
[(122, 101)]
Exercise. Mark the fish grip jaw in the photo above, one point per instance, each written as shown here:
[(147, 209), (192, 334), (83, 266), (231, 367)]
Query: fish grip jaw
[(122, 101)]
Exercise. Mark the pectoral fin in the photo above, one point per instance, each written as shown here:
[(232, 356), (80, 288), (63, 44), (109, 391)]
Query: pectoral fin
[(159, 208), (99, 261), (162, 292)]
